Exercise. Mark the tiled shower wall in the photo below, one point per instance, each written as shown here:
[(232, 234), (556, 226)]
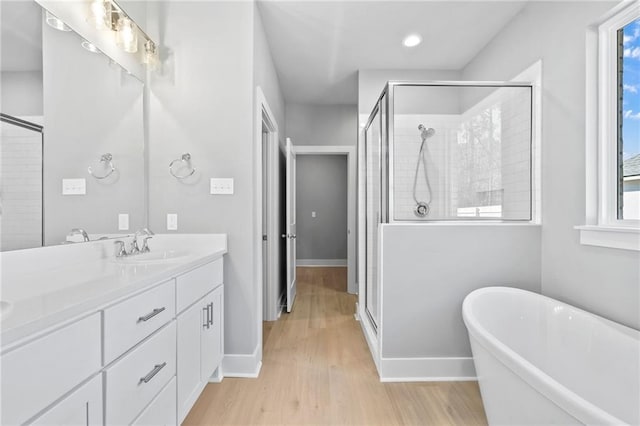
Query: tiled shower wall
[(20, 188), (478, 161)]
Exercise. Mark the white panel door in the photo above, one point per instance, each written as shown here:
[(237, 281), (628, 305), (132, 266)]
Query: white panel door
[(291, 225)]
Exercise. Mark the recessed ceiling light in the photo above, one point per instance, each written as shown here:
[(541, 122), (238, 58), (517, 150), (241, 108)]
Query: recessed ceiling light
[(412, 40)]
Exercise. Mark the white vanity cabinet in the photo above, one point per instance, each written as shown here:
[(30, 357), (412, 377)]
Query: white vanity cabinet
[(142, 359), (200, 332), (39, 373), (82, 408)]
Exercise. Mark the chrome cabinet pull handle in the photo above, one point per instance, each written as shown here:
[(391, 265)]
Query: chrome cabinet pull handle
[(152, 373), (206, 317), (151, 314), (211, 311)]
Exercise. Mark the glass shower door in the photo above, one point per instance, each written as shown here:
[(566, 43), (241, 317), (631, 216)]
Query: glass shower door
[(373, 217)]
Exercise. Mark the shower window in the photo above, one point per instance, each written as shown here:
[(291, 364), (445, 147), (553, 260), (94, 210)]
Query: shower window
[(460, 152)]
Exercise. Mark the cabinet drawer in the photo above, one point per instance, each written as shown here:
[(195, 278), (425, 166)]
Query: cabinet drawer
[(128, 322), (162, 410), (195, 284), (38, 373), (82, 408), (134, 381)]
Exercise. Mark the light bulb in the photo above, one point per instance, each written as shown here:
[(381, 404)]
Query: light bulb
[(150, 57), (100, 14), (127, 37), (412, 40)]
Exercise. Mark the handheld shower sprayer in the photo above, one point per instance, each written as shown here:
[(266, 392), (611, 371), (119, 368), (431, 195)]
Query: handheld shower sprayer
[(422, 207), (426, 132)]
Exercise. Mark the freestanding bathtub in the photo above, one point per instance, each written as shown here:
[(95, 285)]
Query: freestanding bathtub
[(543, 362)]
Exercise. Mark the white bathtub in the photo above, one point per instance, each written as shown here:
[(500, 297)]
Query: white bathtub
[(543, 362)]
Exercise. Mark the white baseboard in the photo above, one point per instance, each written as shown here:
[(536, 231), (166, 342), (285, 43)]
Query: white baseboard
[(242, 365), (321, 262), (426, 369)]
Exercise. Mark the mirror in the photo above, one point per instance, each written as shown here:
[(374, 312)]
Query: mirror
[(84, 167)]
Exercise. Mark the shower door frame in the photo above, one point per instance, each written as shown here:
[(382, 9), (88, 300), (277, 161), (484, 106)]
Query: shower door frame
[(390, 171), (384, 105)]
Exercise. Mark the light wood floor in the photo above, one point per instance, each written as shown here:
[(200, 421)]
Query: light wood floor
[(317, 369)]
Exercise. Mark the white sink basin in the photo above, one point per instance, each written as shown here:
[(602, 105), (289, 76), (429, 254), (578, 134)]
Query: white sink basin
[(5, 308), (154, 257)]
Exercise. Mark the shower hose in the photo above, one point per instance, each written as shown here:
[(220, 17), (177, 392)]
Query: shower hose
[(422, 207)]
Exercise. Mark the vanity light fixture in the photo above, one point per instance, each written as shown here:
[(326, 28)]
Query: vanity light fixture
[(100, 14), (127, 35), (55, 22), (412, 40)]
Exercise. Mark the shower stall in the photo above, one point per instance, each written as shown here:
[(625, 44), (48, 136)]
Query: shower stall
[(446, 153)]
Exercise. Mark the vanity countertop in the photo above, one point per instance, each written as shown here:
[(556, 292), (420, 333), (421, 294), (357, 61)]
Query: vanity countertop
[(47, 287)]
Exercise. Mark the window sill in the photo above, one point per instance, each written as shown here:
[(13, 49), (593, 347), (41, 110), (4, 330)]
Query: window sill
[(610, 236)]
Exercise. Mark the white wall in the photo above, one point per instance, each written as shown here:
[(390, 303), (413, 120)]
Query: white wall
[(21, 93), (321, 124), (601, 280)]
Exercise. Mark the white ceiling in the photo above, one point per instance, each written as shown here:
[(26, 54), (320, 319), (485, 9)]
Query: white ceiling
[(318, 46), (21, 36)]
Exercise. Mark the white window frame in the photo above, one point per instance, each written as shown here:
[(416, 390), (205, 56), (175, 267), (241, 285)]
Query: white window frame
[(603, 228)]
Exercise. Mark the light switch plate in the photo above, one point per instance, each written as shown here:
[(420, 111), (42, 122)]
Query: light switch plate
[(172, 222), (74, 186), (221, 186), (123, 222)]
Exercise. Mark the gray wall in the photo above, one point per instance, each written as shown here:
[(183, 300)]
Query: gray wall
[(90, 108), (429, 269), (266, 77), (322, 124), (601, 280), (371, 83), (321, 187), (202, 102), (21, 93)]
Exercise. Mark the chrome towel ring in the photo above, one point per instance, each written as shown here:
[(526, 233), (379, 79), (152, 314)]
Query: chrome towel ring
[(107, 159), (186, 158)]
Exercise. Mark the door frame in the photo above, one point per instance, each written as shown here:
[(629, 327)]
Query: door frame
[(350, 152), (264, 114)]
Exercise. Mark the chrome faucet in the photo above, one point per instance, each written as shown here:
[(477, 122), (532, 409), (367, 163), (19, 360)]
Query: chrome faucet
[(120, 250), (80, 231), (146, 233)]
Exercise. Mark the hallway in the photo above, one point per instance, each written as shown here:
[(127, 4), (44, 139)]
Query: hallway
[(317, 369)]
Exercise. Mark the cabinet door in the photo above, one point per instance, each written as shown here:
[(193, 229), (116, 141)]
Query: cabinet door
[(82, 407), (212, 344), (189, 384)]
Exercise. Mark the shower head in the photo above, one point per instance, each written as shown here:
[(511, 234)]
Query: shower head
[(426, 132)]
